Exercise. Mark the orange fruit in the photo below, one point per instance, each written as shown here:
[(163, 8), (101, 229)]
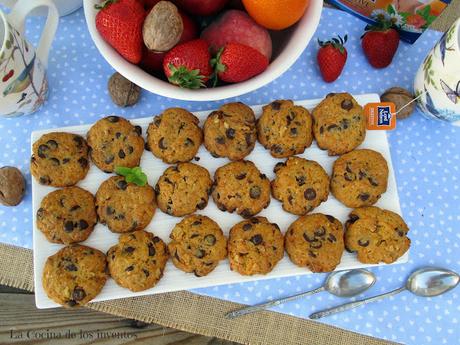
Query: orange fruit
[(276, 14)]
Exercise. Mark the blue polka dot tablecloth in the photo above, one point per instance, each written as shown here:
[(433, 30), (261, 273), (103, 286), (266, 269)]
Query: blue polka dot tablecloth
[(426, 157)]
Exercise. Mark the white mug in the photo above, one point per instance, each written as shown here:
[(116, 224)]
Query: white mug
[(437, 82), (23, 83)]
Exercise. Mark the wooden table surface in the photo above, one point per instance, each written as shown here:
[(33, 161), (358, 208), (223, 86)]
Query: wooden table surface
[(22, 323)]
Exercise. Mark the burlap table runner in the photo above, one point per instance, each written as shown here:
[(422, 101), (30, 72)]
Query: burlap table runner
[(204, 315)]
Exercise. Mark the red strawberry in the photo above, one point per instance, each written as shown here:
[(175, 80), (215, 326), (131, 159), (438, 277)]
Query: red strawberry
[(187, 64), (120, 23), (331, 58), (379, 44), (237, 62)]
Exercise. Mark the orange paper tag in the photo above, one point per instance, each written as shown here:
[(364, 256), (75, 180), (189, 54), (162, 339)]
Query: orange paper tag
[(380, 116)]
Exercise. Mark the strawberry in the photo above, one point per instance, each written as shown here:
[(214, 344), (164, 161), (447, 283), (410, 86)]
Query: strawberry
[(379, 44), (331, 58), (120, 24), (237, 62), (187, 64)]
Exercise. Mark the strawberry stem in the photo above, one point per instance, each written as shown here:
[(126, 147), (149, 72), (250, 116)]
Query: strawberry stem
[(185, 78), (337, 43), (217, 66), (104, 4)]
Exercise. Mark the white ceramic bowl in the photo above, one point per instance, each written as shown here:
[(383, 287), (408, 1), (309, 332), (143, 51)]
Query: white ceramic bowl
[(287, 47)]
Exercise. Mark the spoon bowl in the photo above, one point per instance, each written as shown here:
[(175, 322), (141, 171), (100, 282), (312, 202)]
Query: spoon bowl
[(350, 282), (430, 281)]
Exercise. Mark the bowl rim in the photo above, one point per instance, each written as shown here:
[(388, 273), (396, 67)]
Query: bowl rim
[(300, 38)]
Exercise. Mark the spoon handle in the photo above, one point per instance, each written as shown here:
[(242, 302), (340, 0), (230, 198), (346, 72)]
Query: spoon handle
[(351, 305), (255, 308)]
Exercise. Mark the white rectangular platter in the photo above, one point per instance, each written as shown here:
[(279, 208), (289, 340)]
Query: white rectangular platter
[(162, 223)]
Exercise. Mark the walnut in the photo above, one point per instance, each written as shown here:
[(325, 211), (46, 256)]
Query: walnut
[(400, 97), (123, 92), (12, 186)]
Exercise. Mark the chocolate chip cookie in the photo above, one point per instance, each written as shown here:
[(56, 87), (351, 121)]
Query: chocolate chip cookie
[(339, 124), (315, 241), (242, 187), (197, 245), (59, 159), (183, 189), (138, 260), (174, 136), (114, 141), (74, 275), (300, 184), (376, 235), (124, 206), (230, 131), (285, 128), (255, 246), (67, 215), (359, 178)]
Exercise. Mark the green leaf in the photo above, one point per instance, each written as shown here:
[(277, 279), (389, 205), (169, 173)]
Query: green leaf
[(132, 175), (390, 9)]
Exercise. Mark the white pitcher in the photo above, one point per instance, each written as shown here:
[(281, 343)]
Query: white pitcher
[(438, 78), (23, 83)]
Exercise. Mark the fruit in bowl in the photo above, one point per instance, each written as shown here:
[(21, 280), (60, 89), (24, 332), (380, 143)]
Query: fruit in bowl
[(155, 43)]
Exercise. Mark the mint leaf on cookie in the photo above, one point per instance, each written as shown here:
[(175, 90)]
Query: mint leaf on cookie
[(132, 175)]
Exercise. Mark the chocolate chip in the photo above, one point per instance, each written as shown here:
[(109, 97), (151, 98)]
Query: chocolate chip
[(122, 184), (138, 130), (331, 94), (320, 232), (330, 218), (275, 105), (241, 176), (109, 159), (146, 272), (400, 232), (346, 104), (210, 239), (147, 146), (220, 140), (321, 130), (71, 268), (130, 149), (293, 132), (78, 294), (316, 244), (364, 196), (254, 221), (74, 208), (309, 194), (42, 149), (349, 176), (121, 154), (161, 144), (189, 142), (71, 303), (45, 180), (230, 133), (194, 235), (78, 140), (40, 213), (263, 176), (246, 213), (310, 253), (300, 180), (363, 243), (202, 204), (331, 238), (278, 166), (332, 127), (156, 239), (307, 238), (344, 123), (55, 161), (118, 135), (157, 121), (199, 253), (248, 139), (120, 216), (247, 227), (83, 162), (68, 226), (53, 145), (129, 268), (256, 239), (83, 224), (290, 199), (362, 174), (372, 181), (255, 192), (129, 249), (197, 159), (152, 250), (277, 148), (65, 160), (196, 223), (113, 119), (109, 210)]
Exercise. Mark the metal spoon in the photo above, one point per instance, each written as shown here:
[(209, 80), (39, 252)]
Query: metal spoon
[(341, 283), (425, 282)]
